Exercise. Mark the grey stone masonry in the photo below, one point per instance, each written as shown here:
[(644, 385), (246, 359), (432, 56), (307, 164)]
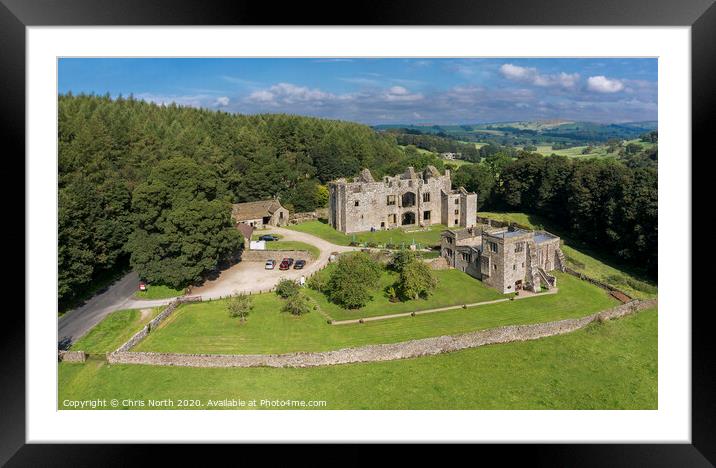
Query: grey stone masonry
[(381, 352), (505, 258), (72, 356), (412, 199)]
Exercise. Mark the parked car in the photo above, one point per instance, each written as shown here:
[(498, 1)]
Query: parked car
[(142, 286), (270, 264), (299, 265), (284, 265), (268, 237), (289, 260)]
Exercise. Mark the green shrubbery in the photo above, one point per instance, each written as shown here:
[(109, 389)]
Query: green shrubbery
[(240, 305), (287, 288), (416, 280), (353, 280), (298, 304)]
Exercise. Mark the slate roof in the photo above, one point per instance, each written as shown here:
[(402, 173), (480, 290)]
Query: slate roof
[(254, 210), (245, 229)]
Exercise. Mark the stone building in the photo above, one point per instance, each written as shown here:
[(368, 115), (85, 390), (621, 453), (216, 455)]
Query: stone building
[(415, 199), (260, 213), (506, 259)]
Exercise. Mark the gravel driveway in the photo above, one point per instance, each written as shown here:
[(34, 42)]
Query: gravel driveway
[(252, 277)]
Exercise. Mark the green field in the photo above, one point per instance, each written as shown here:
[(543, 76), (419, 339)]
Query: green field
[(207, 328), (398, 236), (612, 365), (113, 331), (585, 260), (158, 291), (294, 245), (599, 151), (454, 288)]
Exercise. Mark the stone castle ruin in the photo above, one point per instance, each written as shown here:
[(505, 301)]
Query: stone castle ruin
[(412, 199), (507, 259)]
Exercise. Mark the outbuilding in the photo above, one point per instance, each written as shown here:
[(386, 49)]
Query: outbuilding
[(259, 214)]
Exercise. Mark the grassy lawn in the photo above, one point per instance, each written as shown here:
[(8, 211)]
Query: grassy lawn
[(113, 331), (397, 236), (585, 260), (605, 366), (158, 291), (454, 288), (293, 245), (206, 327)]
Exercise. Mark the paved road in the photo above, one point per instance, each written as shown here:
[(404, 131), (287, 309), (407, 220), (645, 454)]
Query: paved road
[(75, 323), (243, 277)]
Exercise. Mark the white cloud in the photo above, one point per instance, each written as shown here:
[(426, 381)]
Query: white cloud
[(400, 93), (602, 84), (222, 101), (287, 93), (532, 75)]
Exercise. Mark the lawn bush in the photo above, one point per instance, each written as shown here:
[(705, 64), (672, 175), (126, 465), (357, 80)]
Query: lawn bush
[(401, 258), (317, 282), (287, 288), (416, 280), (353, 280), (298, 304), (240, 306)]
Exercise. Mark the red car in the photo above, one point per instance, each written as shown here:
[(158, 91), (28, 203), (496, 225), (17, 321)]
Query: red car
[(284, 265), (142, 286)]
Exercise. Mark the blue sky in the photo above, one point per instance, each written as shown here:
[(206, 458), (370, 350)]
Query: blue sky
[(382, 91)]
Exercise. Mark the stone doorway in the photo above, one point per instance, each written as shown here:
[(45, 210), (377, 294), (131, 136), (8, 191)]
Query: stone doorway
[(408, 218)]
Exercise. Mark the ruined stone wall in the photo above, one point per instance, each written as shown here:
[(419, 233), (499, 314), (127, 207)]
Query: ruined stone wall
[(382, 352), (297, 218), (360, 206), (72, 356), (468, 215)]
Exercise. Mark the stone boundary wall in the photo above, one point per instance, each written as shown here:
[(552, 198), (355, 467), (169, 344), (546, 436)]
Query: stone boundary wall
[(381, 352), (263, 255), (72, 356), (596, 282), (168, 310)]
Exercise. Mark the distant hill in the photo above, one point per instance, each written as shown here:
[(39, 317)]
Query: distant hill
[(531, 132)]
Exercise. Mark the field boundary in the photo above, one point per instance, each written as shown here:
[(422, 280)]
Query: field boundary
[(438, 309), (381, 352)]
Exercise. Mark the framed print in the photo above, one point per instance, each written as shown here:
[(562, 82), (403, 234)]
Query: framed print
[(412, 227)]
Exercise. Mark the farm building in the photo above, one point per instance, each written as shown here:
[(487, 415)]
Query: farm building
[(260, 213)]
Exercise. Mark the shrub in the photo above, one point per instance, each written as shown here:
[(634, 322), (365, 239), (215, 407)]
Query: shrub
[(240, 306), (402, 258), (317, 282), (416, 280), (353, 280), (287, 288), (372, 245), (392, 294), (298, 304)]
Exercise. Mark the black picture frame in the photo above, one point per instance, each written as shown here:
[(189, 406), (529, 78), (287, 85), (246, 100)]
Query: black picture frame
[(16, 15)]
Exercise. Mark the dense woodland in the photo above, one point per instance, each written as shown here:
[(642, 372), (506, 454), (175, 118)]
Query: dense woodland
[(151, 186)]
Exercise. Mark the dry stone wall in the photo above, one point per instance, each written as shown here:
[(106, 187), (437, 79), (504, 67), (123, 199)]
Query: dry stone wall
[(154, 323), (381, 352), (596, 282), (72, 356)]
